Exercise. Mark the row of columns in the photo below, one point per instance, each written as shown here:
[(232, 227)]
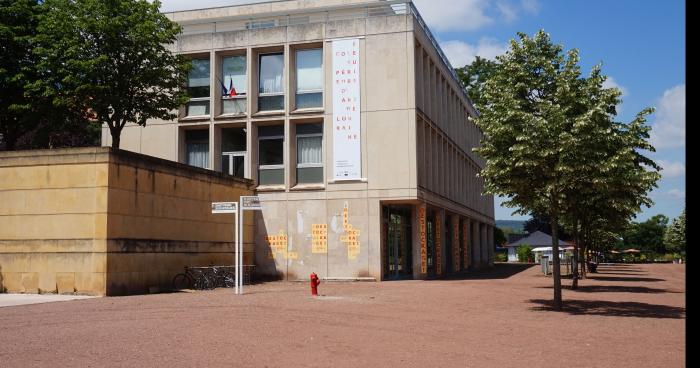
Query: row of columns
[(472, 250)]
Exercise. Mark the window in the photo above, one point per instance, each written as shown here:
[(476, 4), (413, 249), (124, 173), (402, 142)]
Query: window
[(197, 143), (310, 153), (233, 151), (234, 85), (271, 155), (271, 90), (198, 88), (309, 92)]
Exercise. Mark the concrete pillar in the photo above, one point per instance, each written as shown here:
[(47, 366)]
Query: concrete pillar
[(466, 249), (420, 245), (476, 244), (440, 261), (484, 245), (456, 261), (491, 245)]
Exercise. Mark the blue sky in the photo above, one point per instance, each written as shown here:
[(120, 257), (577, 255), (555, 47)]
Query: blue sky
[(640, 43)]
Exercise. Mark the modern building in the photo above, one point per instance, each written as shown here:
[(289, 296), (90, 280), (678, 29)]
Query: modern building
[(351, 123)]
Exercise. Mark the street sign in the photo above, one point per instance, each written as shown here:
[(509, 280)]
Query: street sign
[(250, 203), (224, 207)]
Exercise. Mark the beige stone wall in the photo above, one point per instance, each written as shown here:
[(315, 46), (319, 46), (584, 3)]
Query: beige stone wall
[(99, 222)]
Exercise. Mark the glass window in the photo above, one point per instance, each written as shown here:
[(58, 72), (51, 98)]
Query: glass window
[(198, 88), (310, 153), (271, 85), (271, 154), (234, 85), (197, 143), (233, 151), (309, 77)]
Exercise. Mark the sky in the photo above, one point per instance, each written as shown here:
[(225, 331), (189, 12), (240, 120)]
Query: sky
[(641, 45)]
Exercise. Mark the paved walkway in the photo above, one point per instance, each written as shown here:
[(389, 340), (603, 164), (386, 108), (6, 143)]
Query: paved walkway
[(8, 300)]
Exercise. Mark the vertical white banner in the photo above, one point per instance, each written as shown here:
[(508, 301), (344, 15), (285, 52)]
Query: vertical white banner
[(347, 148)]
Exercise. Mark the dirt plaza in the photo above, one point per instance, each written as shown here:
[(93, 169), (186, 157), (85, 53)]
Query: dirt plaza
[(626, 315)]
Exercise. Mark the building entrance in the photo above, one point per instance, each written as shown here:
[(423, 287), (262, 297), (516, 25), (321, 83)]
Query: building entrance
[(397, 247)]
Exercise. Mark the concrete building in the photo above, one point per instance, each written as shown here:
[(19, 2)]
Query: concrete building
[(353, 126)]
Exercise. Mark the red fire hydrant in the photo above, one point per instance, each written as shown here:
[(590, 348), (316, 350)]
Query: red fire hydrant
[(314, 284)]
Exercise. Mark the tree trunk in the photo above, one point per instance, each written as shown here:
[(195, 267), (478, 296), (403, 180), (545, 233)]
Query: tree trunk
[(556, 272), (116, 136), (582, 257)]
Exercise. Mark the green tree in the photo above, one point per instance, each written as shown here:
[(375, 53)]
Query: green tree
[(674, 237), (647, 235), (499, 237), (548, 132), (108, 61), (474, 76), (610, 177), (18, 19), (524, 253), (527, 118)]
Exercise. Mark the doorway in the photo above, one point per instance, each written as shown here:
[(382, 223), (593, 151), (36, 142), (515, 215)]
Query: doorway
[(398, 255)]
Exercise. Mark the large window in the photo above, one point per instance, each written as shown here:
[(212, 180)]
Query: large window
[(309, 153), (198, 88), (309, 92), (233, 89), (233, 151), (271, 84), (271, 154), (197, 143)]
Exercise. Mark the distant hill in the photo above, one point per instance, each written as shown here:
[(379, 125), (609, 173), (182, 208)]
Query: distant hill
[(513, 224)]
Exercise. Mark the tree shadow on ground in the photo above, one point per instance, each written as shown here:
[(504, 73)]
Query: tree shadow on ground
[(624, 279), (613, 309), (615, 289), (498, 271)]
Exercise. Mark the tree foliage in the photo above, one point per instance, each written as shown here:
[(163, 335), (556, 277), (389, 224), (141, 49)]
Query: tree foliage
[(499, 237), (647, 235), (30, 120), (541, 222), (674, 237), (524, 253), (552, 146), (108, 61), (474, 76)]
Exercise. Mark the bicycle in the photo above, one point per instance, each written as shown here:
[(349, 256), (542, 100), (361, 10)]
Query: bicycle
[(192, 278)]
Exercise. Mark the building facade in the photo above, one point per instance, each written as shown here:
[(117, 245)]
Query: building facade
[(351, 123)]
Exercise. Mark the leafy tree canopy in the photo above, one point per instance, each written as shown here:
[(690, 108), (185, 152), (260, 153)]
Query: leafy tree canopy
[(108, 61)]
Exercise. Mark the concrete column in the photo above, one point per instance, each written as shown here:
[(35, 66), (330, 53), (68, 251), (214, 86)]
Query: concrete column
[(491, 245), (466, 249), (476, 244), (484, 245), (456, 262), (440, 261), (420, 246)]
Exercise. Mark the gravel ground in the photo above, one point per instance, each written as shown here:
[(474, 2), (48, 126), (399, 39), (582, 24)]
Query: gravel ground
[(624, 316)]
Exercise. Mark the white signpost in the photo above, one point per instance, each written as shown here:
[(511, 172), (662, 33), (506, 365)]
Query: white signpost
[(250, 203), (347, 148), (230, 207)]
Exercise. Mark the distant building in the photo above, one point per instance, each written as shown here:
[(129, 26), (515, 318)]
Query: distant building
[(535, 240)]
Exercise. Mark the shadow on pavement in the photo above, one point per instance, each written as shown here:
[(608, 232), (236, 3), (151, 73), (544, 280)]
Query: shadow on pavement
[(624, 279), (615, 289), (616, 309), (498, 271)]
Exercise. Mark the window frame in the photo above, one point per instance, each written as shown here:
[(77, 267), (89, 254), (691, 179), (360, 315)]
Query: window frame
[(239, 97), (268, 94), (298, 92), (199, 99)]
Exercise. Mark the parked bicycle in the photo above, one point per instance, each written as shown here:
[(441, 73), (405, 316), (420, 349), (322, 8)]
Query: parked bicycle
[(206, 278)]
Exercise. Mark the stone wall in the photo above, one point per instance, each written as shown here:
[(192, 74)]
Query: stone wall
[(104, 222)]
